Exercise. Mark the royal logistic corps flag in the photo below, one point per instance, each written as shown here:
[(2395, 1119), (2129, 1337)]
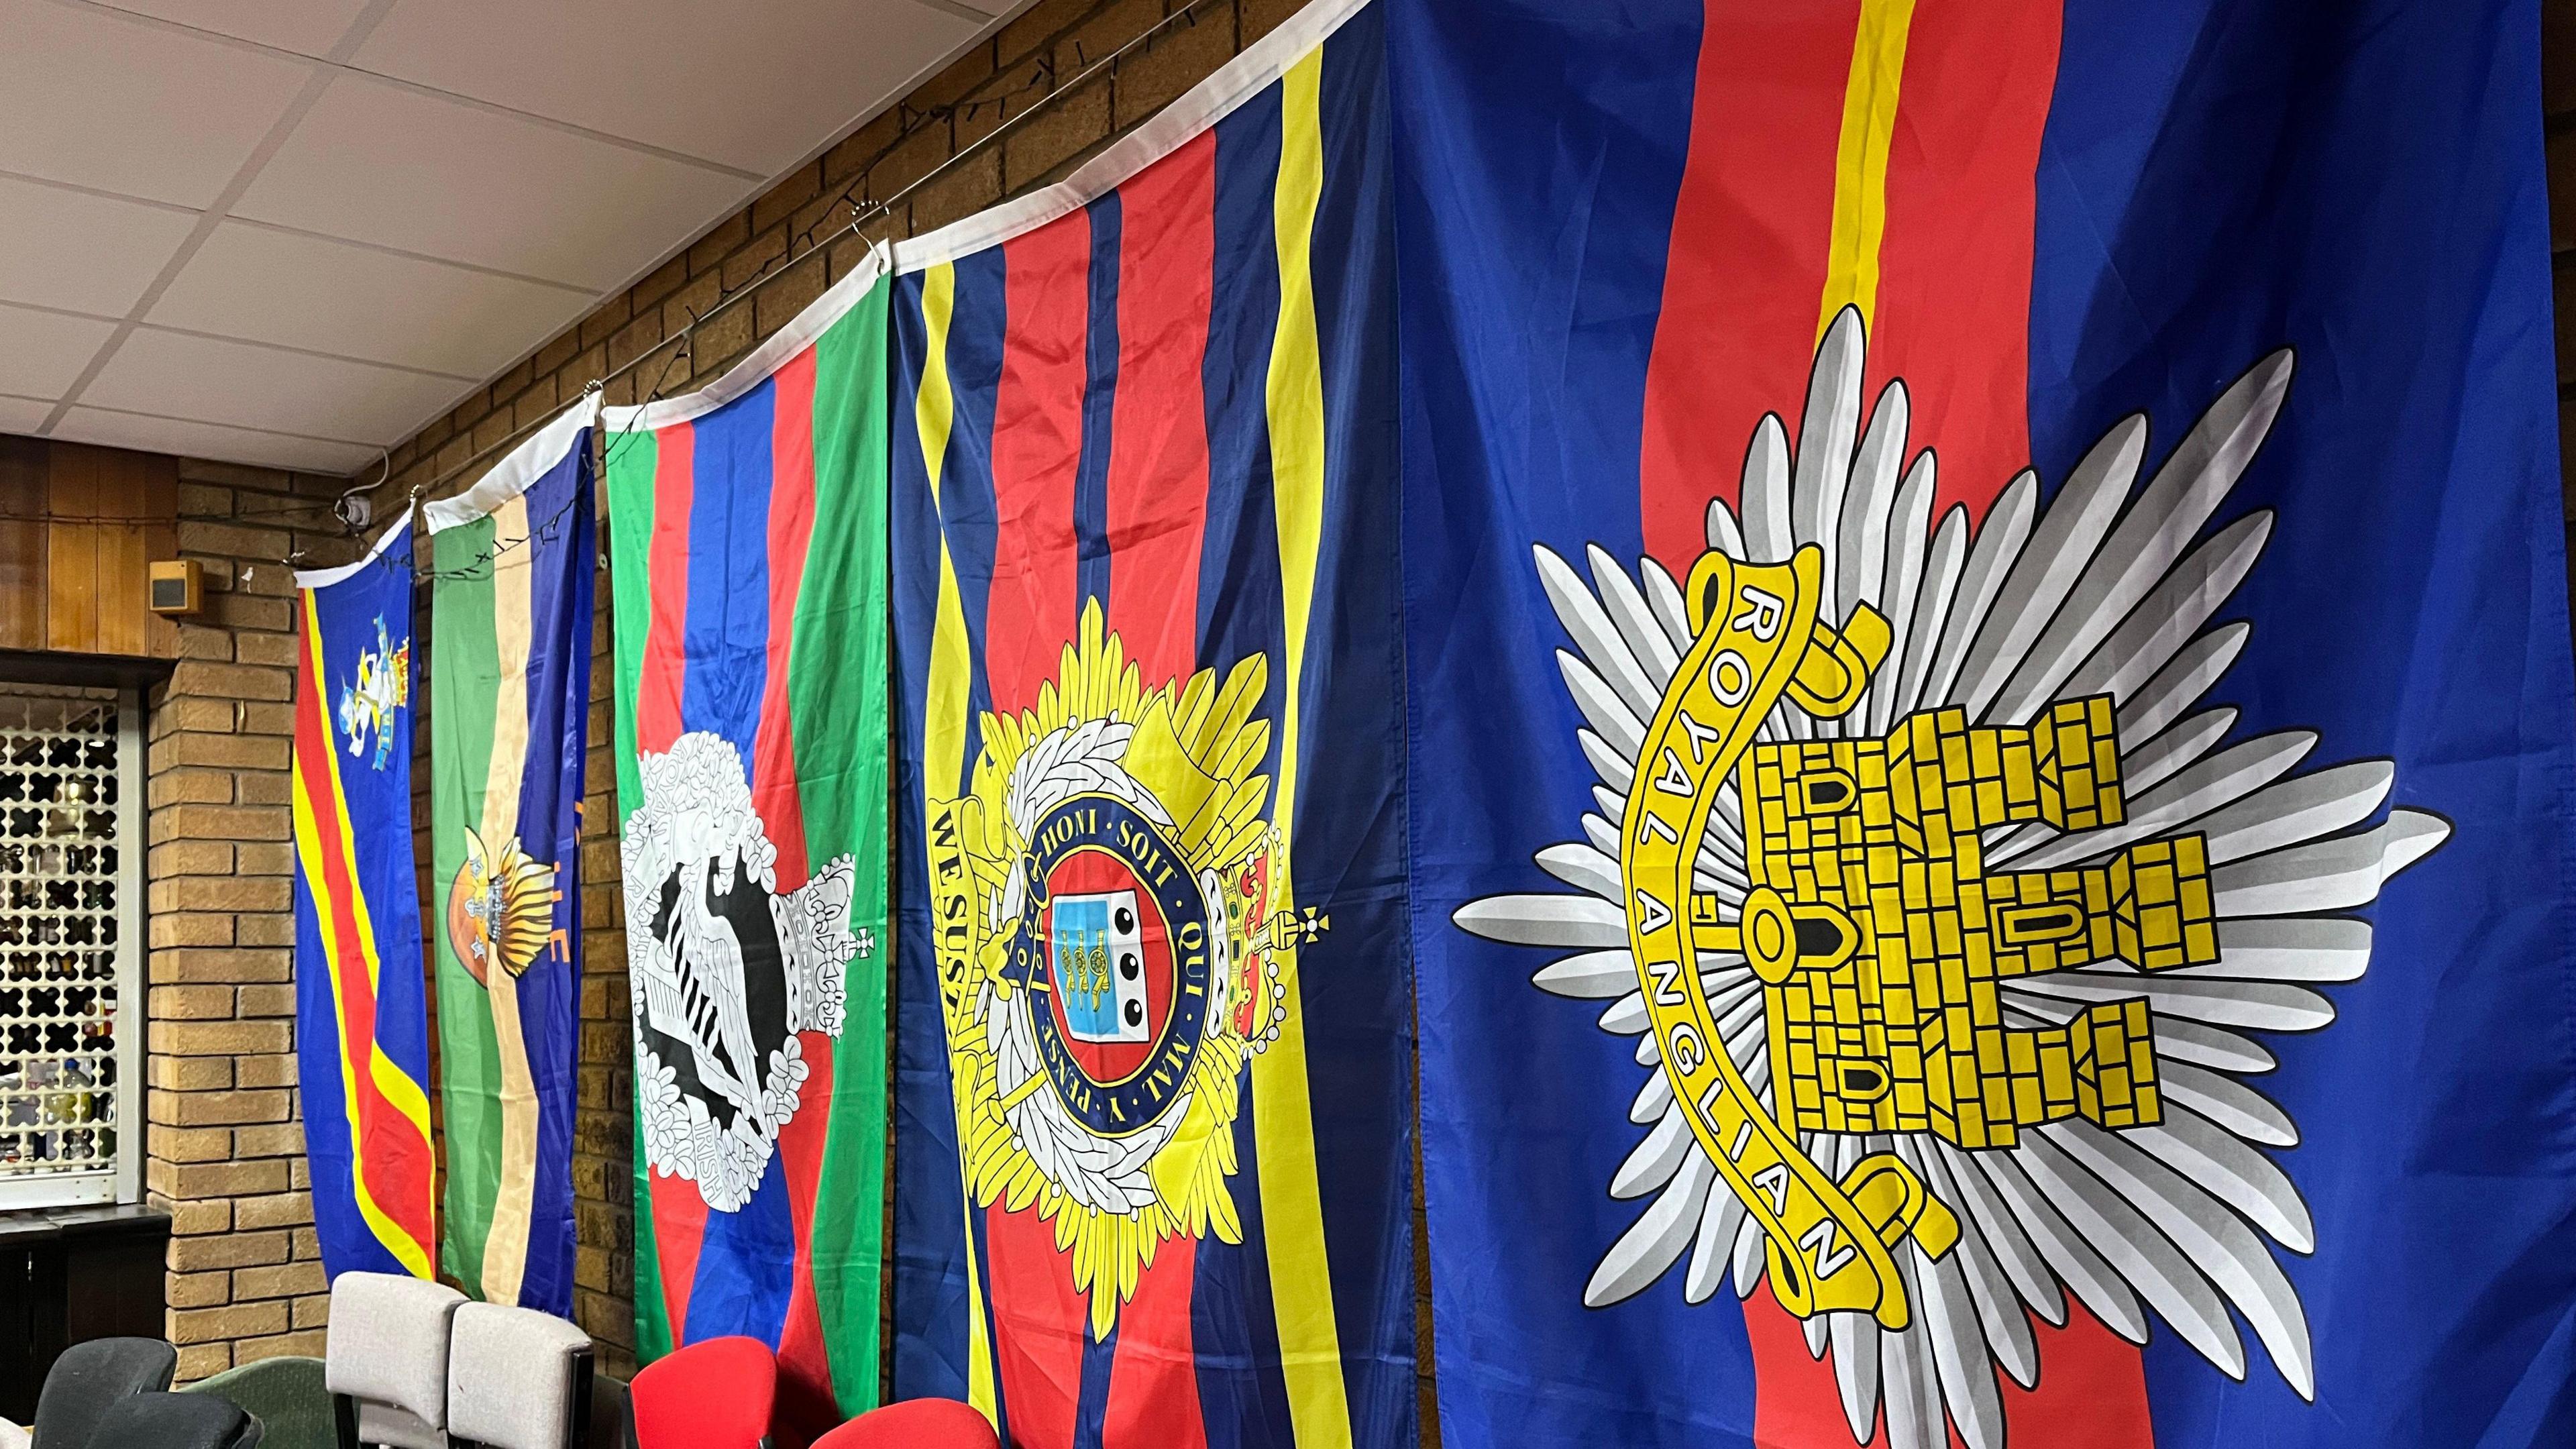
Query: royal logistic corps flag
[(513, 560), (1990, 674), (1154, 1068), (746, 529), (361, 1004)]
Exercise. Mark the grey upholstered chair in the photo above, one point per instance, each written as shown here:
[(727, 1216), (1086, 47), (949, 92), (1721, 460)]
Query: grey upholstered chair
[(174, 1421), (516, 1379), (385, 1361), (91, 1377)]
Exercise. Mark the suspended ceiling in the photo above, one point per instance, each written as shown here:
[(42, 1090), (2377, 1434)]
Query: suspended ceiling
[(291, 232)]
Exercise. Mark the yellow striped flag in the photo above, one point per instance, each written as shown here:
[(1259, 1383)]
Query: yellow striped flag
[(1154, 1049)]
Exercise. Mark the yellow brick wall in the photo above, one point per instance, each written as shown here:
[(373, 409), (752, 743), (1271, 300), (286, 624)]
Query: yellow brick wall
[(225, 1155)]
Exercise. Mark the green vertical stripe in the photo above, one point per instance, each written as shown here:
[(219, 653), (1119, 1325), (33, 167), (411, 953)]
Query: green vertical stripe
[(464, 670), (836, 697), (631, 460)]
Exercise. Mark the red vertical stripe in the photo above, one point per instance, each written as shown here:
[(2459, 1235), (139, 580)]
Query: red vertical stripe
[(1158, 461), (806, 1408), (679, 1224), (679, 1213), (2092, 1389), (1158, 492), (1746, 274), (1953, 316), (1154, 1384), (805, 1405), (1039, 1322), (1037, 446), (390, 1153), (657, 694), (1953, 320), (1039, 1326), (791, 526)]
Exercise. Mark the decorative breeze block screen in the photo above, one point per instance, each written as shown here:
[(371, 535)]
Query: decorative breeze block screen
[(62, 912)]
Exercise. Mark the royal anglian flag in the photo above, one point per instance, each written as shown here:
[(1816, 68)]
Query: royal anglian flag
[(1154, 1050), (746, 529), (361, 1002), (1987, 644), (513, 561)]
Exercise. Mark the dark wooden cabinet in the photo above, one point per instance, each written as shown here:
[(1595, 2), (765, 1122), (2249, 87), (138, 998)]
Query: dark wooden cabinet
[(68, 1275)]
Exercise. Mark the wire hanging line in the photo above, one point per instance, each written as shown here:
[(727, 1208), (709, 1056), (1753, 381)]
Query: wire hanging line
[(861, 217)]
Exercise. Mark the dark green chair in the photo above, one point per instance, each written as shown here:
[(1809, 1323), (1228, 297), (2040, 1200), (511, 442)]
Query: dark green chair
[(286, 1395)]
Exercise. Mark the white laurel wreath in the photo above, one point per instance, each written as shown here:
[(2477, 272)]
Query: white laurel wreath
[(1109, 1174), (697, 812)]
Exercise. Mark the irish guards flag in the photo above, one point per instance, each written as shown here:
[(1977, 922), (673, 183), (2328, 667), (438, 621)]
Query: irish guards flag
[(746, 531), (1152, 1170), (510, 644), (361, 1001), (1987, 645)]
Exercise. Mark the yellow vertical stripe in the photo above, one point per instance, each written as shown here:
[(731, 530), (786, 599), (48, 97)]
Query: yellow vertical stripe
[(1860, 160), (505, 1246), (404, 1094), (1292, 1208), (944, 723)]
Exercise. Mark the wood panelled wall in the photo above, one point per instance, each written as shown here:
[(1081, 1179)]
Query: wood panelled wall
[(79, 527)]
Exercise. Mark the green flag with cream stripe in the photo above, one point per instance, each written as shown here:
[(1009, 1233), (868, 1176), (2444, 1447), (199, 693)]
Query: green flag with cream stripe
[(513, 563)]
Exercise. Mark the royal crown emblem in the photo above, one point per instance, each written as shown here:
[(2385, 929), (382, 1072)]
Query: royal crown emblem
[(1112, 928), (1943, 915)]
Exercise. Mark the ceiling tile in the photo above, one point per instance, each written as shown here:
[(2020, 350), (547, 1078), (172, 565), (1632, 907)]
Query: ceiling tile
[(381, 163), (211, 441), (116, 103), (771, 85), (307, 27), (22, 414), (42, 353), (266, 285), (207, 379), (80, 252)]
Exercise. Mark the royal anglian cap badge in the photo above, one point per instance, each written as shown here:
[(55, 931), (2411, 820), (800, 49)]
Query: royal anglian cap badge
[(1944, 915)]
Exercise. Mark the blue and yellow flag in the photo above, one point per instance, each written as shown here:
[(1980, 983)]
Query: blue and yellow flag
[(1154, 1056), (1987, 646), (361, 998)]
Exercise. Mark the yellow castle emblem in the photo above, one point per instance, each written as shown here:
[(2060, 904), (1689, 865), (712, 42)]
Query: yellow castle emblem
[(1880, 937)]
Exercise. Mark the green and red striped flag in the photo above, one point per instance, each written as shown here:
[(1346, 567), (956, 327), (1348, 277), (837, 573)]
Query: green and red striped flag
[(747, 535), (510, 640)]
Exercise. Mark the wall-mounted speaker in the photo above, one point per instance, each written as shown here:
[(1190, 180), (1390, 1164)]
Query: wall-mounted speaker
[(178, 587)]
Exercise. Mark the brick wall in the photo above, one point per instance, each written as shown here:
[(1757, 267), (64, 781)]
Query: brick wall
[(225, 1154)]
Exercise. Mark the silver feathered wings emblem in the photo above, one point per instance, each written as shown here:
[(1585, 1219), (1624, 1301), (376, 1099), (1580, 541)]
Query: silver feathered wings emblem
[(1946, 918), (724, 970)]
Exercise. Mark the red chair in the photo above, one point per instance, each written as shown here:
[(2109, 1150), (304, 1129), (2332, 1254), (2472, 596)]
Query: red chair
[(710, 1395), (914, 1424)]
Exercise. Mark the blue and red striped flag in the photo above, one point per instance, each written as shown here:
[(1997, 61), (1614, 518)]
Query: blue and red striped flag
[(361, 998), (1154, 1062), (747, 539), (1988, 652)]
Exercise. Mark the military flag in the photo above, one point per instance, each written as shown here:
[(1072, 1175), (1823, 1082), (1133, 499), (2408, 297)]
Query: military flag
[(1152, 1163), (746, 528), (512, 563), (361, 1002), (1989, 663)]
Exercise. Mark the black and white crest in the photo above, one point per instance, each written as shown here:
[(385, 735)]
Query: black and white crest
[(724, 970)]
